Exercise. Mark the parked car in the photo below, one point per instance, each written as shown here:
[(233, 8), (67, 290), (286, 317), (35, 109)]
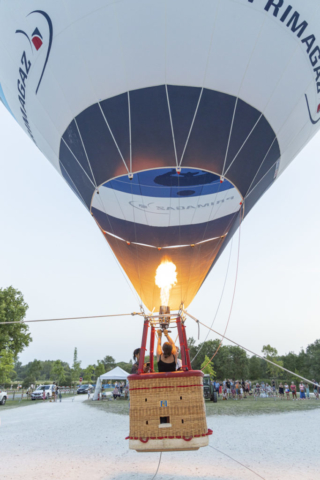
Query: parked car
[(38, 393), (84, 388), (3, 396)]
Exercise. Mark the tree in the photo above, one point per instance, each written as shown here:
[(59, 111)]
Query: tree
[(34, 371), (88, 373), (13, 338), (207, 367), (99, 369), (58, 372), (109, 363), (76, 367), (6, 366), (271, 353), (127, 367), (254, 368)]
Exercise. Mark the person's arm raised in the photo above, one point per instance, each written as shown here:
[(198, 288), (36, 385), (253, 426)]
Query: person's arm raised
[(159, 349), (174, 349)]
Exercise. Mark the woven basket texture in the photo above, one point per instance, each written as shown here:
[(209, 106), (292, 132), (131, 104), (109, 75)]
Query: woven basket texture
[(181, 399)]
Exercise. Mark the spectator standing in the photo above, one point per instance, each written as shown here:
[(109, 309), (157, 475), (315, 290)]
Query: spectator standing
[(286, 388), (228, 385), (217, 387), (307, 392), (237, 387), (281, 391), (273, 385), (302, 391), (233, 391), (241, 393), (293, 389)]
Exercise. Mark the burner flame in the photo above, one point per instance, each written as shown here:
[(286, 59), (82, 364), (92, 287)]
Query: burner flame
[(166, 278)]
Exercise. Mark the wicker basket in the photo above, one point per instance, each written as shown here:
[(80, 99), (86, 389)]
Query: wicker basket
[(167, 411)]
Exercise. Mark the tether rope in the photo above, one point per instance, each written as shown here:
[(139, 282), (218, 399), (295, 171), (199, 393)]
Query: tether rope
[(233, 296), (154, 476), (250, 351), (71, 318), (237, 462)]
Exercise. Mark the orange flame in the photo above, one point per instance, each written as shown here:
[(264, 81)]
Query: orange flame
[(166, 278)]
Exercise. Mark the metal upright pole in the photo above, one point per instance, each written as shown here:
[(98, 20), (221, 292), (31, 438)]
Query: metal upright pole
[(186, 346), (182, 344), (152, 336), (143, 345)]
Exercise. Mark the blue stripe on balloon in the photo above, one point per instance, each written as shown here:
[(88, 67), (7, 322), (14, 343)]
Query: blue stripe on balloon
[(166, 183)]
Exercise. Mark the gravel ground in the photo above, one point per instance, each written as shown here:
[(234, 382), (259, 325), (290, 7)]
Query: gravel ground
[(69, 441)]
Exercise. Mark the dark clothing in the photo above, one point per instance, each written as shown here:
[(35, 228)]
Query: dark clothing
[(166, 367), (134, 368)]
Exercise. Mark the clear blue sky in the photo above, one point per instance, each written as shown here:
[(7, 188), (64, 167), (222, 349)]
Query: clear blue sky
[(52, 250)]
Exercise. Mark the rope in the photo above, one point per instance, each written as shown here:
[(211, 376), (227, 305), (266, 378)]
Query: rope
[(250, 351), (222, 293), (71, 318), (154, 476), (237, 462), (233, 296)]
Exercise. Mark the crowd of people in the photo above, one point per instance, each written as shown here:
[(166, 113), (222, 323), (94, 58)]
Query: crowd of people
[(168, 361), (239, 389)]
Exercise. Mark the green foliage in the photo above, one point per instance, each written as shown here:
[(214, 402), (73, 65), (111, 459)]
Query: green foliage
[(109, 363), (255, 370), (58, 372), (13, 309), (207, 367), (125, 366), (88, 374), (269, 351), (76, 367), (6, 366), (99, 369)]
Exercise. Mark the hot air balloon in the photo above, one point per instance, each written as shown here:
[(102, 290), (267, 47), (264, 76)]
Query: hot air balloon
[(168, 119)]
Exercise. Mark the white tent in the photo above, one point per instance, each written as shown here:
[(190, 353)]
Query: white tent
[(115, 374)]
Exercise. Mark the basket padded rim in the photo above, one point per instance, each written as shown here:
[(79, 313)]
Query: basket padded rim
[(148, 376)]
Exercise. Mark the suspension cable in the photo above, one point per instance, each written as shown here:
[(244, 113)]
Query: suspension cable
[(233, 296), (250, 351), (222, 293)]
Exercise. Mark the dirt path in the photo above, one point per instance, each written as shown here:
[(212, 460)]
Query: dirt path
[(69, 441)]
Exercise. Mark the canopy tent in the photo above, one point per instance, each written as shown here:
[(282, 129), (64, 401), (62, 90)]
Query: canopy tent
[(115, 374)]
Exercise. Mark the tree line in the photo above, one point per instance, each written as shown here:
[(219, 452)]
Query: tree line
[(233, 362)]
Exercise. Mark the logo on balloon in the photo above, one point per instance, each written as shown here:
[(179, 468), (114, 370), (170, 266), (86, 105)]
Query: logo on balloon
[(36, 41)]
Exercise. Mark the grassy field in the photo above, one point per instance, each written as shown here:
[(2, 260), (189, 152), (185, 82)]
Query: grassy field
[(248, 406)]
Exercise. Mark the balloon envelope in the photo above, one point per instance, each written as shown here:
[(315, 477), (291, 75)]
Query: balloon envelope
[(168, 120)]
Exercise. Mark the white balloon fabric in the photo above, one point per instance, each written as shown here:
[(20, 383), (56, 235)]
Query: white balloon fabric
[(167, 118)]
